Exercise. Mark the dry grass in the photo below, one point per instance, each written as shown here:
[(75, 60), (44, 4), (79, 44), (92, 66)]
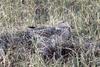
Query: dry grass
[(82, 15)]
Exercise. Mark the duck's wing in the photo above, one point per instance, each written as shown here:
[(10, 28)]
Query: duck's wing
[(44, 31)]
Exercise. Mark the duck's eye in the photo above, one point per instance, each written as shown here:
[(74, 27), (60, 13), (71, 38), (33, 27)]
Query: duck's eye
[(31, 27)]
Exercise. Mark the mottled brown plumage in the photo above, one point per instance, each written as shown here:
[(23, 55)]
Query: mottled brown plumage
[(53, 41)]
